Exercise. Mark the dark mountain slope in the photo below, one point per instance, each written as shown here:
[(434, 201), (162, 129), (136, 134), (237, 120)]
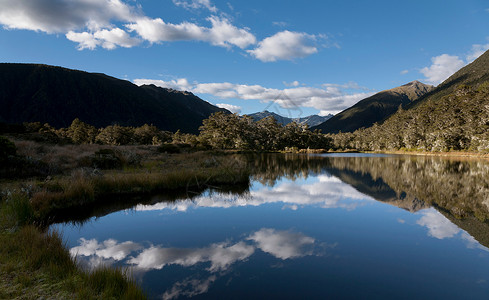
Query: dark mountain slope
[(375, 108), (55, 95)]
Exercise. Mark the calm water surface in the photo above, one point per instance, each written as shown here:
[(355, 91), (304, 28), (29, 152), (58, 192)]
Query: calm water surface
[(309, 227)]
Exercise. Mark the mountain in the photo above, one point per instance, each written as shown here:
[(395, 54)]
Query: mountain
[(453, 116), (56, 95), (312, 120), (375, 108)]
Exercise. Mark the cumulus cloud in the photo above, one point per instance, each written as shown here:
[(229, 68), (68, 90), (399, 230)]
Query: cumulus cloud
[(108, 39), (442, 67), (329, 98), (221, 33), (230, 107), (62, 16), (92, 23), (196, 4), (285, 45), (445, 65), (116, 23)]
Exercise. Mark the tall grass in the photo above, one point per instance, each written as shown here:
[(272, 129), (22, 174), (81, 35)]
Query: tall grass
[(16, 211), (82, 187), (36, 264)]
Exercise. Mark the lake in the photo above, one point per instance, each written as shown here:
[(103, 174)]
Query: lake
[(339, 226)]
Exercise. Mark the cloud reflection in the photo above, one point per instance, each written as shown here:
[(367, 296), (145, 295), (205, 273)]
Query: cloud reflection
[(438, 226), (282, 244), (441, 228), (221, 256), (109, 249), (189, 287), (327, 192)]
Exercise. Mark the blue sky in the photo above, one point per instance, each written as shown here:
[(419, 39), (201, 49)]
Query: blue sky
[(292, 57)]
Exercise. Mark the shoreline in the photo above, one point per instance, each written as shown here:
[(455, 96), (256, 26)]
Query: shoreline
[(455, 154)]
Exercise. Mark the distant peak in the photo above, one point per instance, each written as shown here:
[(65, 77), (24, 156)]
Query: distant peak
[(414, 83)]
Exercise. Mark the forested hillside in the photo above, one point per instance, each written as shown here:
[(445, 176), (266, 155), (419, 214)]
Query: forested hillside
[(455, 116)]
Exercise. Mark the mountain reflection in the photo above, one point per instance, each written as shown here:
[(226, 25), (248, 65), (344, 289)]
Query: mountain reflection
[(458, 188), (444, 199)]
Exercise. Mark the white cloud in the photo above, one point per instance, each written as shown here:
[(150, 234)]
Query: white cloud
[(221, 33), (108, 39), (230, 107), (285, 45), (438, 226), (115, 23), (476, 51), (442, 67), (85, 40), (283, 244), (330, 98), (404, 72), (62, 16), (91, 23), (196, 4)]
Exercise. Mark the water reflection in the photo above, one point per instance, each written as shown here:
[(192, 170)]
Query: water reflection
[(325, 191), (438, 226), (189, 287), (281, 244), (345, 201)]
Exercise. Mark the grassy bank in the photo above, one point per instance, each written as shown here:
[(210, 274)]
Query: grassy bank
[(37, 265), (34, 262), (455, 154), (191, 172)]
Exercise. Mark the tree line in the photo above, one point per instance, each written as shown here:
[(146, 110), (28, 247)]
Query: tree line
[(458, 121), (220, 131)]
